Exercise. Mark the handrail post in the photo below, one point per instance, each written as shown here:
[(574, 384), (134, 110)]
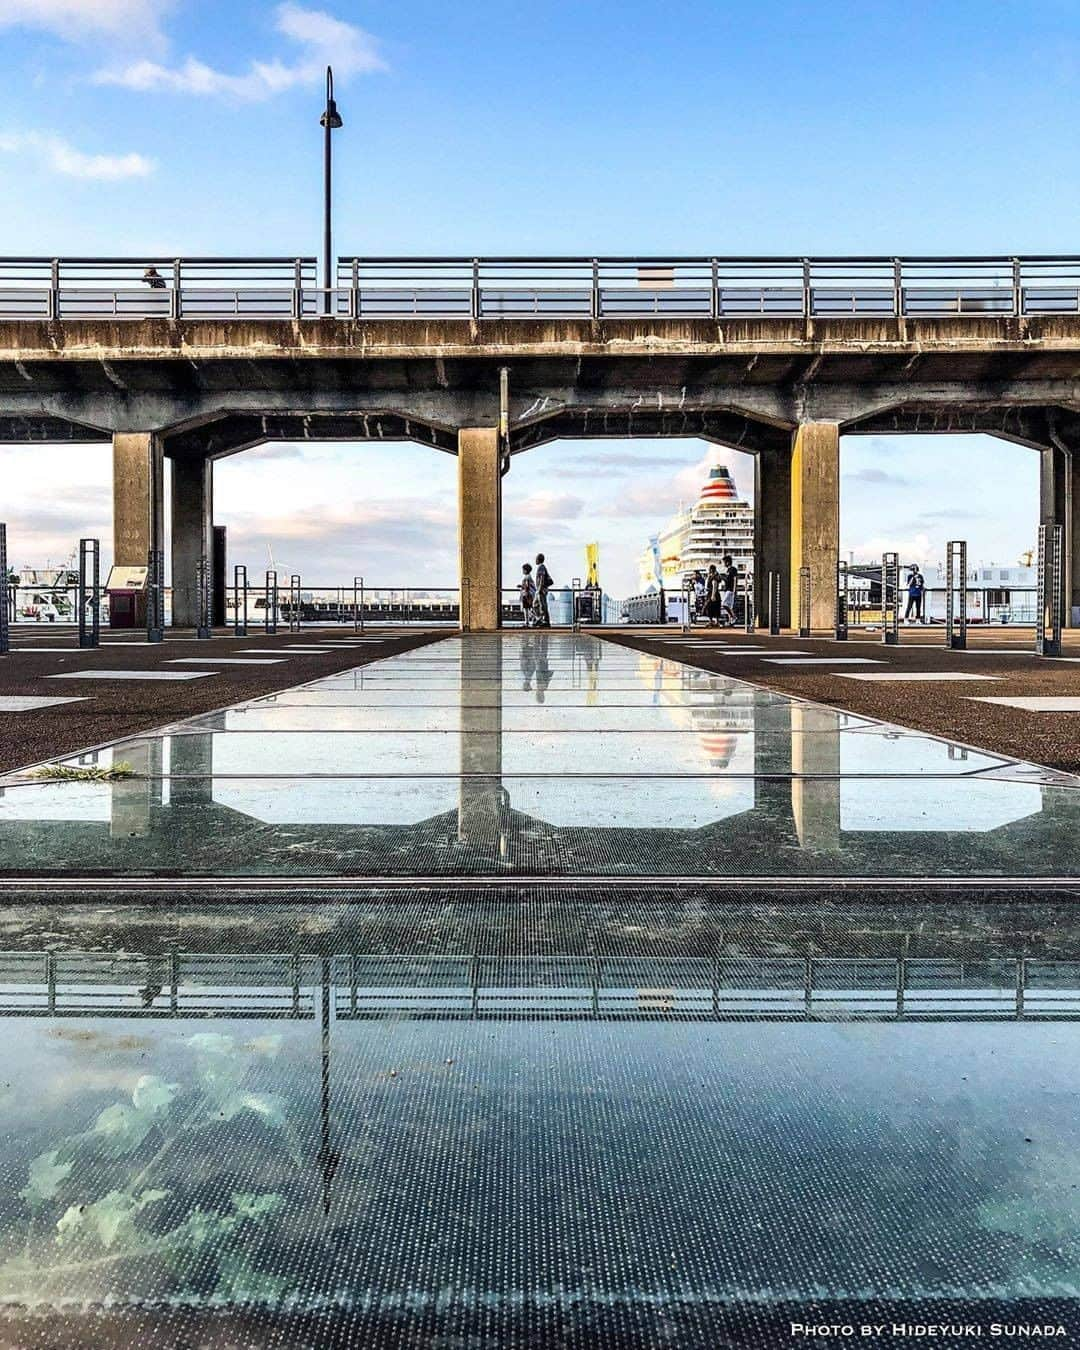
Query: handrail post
[(298, 288), (1017, 289), (898, 287), (174, 295), (595, 293), (5, 631), (475, 294), (714, 302), (54, 289), (807, 301), (354, 295)]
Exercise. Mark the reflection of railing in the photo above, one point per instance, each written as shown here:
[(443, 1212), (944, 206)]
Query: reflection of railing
[(86, 984), (791, 988), (502, 289)]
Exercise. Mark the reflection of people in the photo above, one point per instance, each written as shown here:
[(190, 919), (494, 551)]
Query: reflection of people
[(154, 279), (528, 662), (544, 584), (916, 586), (544, 673)]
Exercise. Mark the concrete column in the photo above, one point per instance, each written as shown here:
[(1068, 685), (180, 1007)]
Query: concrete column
[(138, 496), (815, 517), (1059, 504), (192, 534), (772, 530), (480, 528)]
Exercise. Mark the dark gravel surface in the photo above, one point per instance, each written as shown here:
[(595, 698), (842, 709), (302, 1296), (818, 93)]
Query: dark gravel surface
[(945, 709), (114, 709)]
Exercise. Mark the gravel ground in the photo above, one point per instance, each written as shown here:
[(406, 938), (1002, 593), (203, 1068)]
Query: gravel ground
[(945, 709), (113, 709)]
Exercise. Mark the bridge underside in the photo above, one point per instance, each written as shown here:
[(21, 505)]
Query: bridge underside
[(194, 393)]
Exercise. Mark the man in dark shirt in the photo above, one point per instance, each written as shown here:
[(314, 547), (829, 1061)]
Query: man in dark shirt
[(731, 581), (544, 584)]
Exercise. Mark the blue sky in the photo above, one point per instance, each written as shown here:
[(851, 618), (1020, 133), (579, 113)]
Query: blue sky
[(139, 126)]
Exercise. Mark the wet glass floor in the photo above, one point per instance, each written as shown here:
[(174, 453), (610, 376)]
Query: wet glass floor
[(539, 755), (532, 1118)]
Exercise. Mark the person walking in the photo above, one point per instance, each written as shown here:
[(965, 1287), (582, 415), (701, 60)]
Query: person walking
[(730, 583), (544, 584), (527, 595), (713, 601), (916, 589)]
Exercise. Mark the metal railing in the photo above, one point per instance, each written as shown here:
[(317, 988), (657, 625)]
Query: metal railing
[(479, 289)]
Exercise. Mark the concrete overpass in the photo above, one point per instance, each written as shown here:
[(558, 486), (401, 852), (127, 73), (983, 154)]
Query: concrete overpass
[(777, 357)]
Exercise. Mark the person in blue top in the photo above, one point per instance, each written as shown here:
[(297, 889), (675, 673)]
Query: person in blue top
[(916, 588)]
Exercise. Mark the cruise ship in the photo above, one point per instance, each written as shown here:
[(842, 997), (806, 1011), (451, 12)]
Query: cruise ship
[(719, 522)]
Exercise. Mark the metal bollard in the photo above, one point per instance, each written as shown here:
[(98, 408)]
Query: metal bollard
[(270, 612), (774, 603), (5, 598), (804, 602), (840, 623), (890, 585), (1048, 613), (688, 618), (89, 593), (155, 596), (358, 604), (956, 577), (240, 600), (294, 603), (203, 584), (748, 601)]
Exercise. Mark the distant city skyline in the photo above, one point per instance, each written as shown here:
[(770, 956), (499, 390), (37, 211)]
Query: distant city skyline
[(144, 127)]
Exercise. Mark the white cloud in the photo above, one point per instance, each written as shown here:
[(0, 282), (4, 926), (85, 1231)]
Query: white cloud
[(65, 159), (322, 39), (129, 21)]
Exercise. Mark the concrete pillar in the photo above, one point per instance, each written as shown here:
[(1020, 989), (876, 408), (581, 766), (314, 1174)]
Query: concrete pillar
[(1059, 504), (192, 534), (772, 530), (480, 528), (138, 496), (815, 518)]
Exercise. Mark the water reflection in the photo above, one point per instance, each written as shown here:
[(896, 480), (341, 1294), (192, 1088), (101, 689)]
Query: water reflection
[(620, 1129), (543, 755)]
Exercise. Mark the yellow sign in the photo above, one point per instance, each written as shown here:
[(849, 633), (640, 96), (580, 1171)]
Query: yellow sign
[(592, 565)]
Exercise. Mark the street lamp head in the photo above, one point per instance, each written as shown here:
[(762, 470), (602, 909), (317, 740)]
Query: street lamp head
[(331, 118)]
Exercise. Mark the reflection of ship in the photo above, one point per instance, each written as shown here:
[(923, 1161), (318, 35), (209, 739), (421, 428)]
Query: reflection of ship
[(719, 522)]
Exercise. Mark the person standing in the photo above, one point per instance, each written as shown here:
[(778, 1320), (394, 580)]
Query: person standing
[(527, 595), (916, 588), (544, 584), (713, 602), (730, 582)]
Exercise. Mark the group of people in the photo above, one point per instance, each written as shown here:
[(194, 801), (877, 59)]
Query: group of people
[(533, 593), (714, 593)]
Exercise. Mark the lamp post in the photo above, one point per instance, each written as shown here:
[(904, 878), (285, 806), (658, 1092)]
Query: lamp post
[(329, 121)]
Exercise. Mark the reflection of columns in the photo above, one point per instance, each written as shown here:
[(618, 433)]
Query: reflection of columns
[(772, 530), (815, 801), (132, 800), (481, 801), (1059, 504), (815, 517), (191, 766), (480, 527), (138, 496), (192, 534)]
